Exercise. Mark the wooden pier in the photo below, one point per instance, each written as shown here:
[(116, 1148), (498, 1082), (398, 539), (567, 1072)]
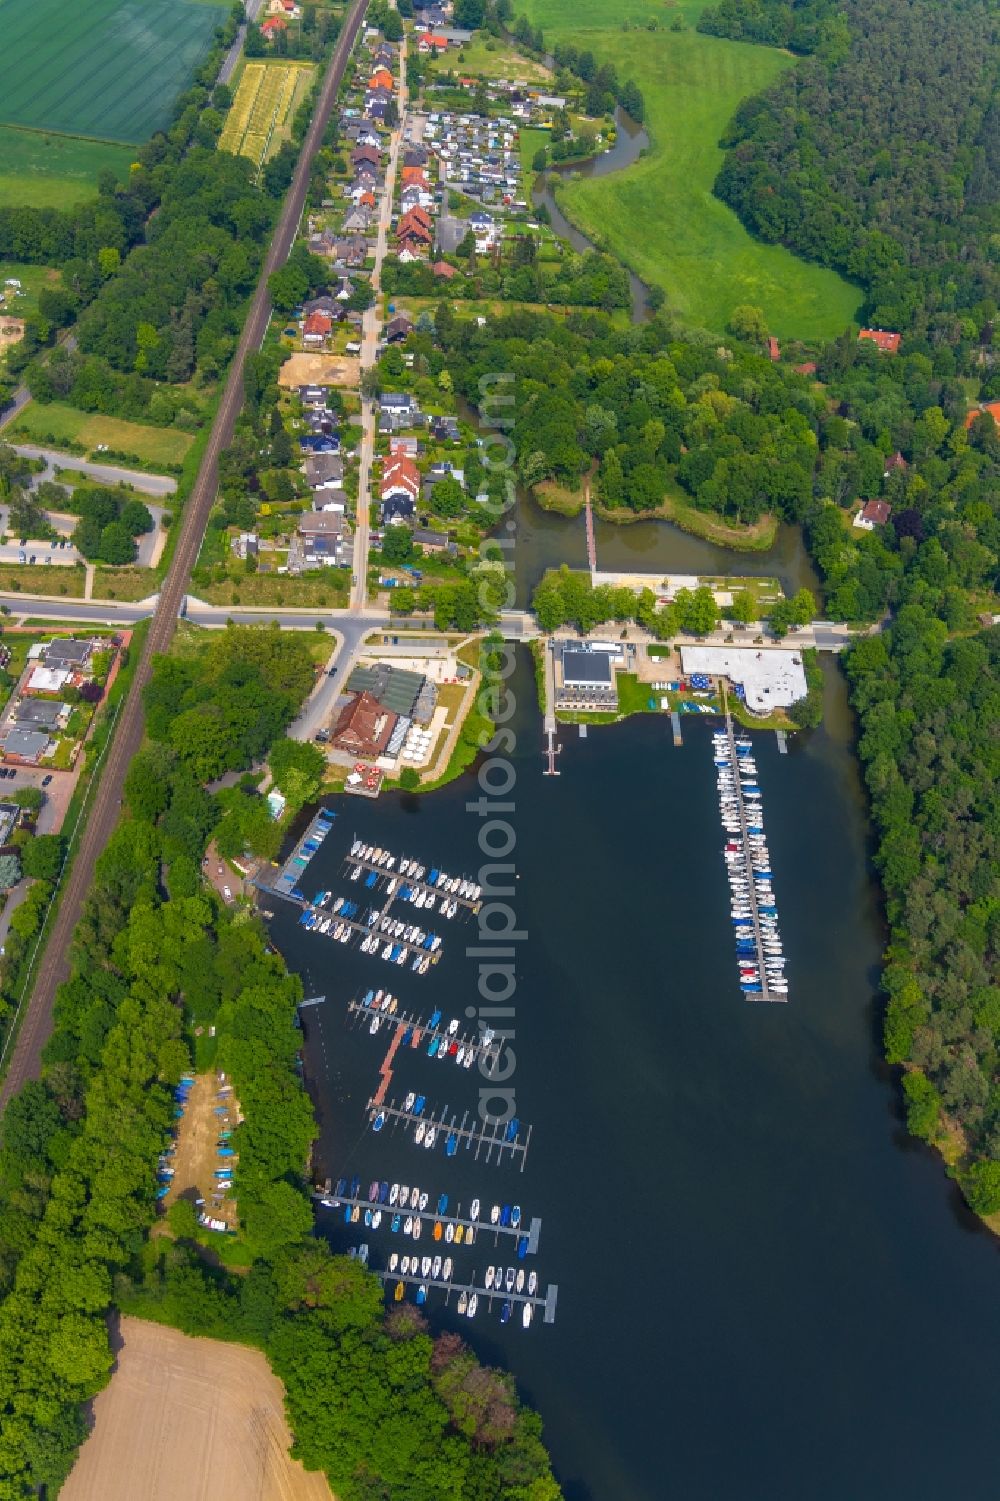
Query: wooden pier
[(588, 513), (530, 1232), (486, 1141), (551, 751), (468, 904), (766, 993), (675, 725), (782, 740)]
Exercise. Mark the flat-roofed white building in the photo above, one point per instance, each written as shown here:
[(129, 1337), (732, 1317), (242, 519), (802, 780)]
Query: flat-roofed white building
[(772, 678)]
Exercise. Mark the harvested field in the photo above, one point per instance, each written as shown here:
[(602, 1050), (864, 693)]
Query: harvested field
[(319, 370), (189, 1420)]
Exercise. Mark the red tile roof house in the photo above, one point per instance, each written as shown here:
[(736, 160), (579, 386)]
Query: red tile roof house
[(442, 268), (991, 409), (773, 349), (272, 26), (400, 476), (895, 462), (428, 42), (316, 328), (412, 234), (364, 727), (886, 342), (872, 514), (380, 79)]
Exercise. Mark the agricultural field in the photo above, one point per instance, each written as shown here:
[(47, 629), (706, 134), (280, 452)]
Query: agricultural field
[(660, 215), (109, 70), (47, 170), (265, 104), (57, 424)]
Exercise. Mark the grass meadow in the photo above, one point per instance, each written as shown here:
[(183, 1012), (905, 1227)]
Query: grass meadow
[(55, 171), (56, 423), (660, 215)]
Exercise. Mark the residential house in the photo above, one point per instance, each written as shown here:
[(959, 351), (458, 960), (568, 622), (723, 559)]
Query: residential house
[(414, 234), (363, 727), (433, 542), (246, 545), (74, 656), (41, 714), (408, 448), (887, 343), (415, 156), (398, 329), (316, 329), (350, 251), (396, 411), (324, 469), (432, 43), (989, 409), (445, 429), (26, 745), (272, 26), (325, 528), (357, 221), (872, 514), (892, 464), (442, 269), (380, 79), (325, 304), (414, 195), (773, 349), (287, 8), (399, 490), (369, 154), (313, 398)]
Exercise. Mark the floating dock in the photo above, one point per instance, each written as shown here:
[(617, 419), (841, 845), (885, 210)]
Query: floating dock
[(422, 1032), (428, 888), (530, 1233), (675, 724), (782, 740), (547, 1303), (287, 880), (484, 1139), (751, 899)]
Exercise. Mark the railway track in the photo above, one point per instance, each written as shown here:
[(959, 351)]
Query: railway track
[(36, 1020)]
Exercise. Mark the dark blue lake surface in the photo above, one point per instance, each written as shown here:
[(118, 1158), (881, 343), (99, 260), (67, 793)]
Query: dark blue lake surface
[(765, 1290)]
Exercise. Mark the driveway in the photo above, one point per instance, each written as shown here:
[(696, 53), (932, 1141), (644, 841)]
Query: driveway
[(107, 474)]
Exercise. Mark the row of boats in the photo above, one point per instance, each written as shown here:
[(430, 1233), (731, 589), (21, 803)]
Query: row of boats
[(438, 1270), (343, 923), (753, 912), (384, 1005), (440, 880), (405, 893)]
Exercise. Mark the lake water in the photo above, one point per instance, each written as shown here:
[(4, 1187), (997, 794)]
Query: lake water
[(766, 1290)]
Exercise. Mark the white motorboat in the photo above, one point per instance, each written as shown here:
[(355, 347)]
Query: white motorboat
[(474, 1210), (473, 1305)]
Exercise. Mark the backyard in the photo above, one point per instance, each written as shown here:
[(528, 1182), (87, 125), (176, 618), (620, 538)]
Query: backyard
[(660, 215)]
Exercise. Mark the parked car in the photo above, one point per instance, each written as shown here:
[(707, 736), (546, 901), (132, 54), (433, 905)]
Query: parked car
[(227, 893), (46, 779)]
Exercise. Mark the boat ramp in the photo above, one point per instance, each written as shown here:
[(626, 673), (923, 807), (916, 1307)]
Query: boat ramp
[(468, 1133)]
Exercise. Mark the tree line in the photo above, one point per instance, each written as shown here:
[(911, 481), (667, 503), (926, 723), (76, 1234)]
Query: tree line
[(878, 155), (156, 961)]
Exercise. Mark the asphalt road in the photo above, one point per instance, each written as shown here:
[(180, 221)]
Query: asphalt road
[(109, 474), (36, 1022)]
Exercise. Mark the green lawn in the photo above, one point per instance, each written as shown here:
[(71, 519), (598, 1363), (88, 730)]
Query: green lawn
[(22, 302), (109, 69), (54, 171), (485, 58), (660, 216), (58, 424)]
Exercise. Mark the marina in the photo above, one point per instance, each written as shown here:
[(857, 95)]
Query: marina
[(502, 1139), (753, 913)]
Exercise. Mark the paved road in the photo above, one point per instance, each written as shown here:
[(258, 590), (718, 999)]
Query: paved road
[(108, 474), (36, 1023), (371, 328), (233, 55)]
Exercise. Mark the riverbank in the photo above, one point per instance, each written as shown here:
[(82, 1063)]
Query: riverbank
[(759, 537)]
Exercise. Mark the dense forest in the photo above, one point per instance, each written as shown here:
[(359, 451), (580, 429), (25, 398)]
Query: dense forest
[(930, 707), (878, 155), (156, 960)]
